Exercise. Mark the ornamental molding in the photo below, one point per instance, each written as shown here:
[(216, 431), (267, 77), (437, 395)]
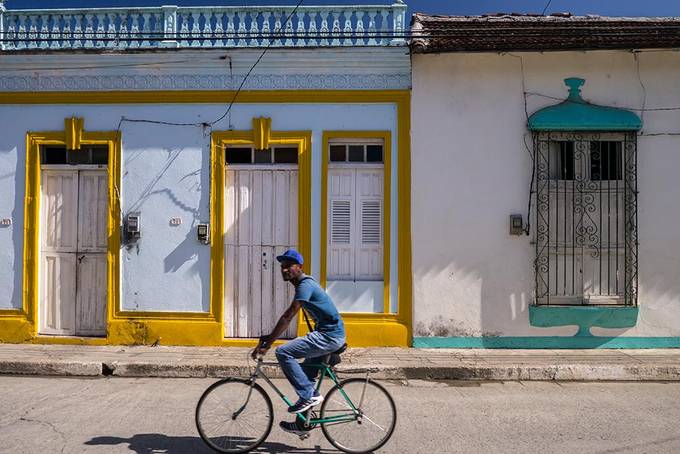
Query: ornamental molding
[(206, 82)]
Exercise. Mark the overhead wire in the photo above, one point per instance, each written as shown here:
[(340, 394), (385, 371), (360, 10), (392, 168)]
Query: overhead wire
[(545, 7), (210, 124), (527, 229)]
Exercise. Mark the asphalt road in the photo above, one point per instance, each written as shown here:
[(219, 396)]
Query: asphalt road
[(121, 415)]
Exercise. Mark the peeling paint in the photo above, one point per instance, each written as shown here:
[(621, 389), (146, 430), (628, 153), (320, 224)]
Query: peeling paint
[(138, 332), (441, 327)]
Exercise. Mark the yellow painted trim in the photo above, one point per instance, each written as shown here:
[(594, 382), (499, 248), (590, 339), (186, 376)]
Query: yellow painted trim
[(217, 233), (73, 128), (223, 139), (252, 343), (203, 96), (405, 282), (164, 315), (206, 329), (70, 340), (262, 129), (365, 329), (31, 277), (12, 313), (386, 137)]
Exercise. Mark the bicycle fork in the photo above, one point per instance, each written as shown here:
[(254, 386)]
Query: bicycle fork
[(245, 404)]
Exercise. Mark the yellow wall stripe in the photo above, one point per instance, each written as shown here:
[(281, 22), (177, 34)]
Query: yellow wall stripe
[(127, 327)]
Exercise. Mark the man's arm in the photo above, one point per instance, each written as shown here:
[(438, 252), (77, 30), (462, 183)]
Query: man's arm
[(280, 328)]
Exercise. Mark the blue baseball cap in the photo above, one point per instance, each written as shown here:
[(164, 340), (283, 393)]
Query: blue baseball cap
[(291, 255)]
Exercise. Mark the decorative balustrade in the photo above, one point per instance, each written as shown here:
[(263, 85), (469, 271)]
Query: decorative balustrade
[(207, 27)]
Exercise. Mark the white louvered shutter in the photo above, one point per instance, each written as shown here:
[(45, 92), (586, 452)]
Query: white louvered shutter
[(369, 206), (341, 224)]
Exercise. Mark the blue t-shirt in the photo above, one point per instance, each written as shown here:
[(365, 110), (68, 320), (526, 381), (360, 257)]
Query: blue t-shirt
[(320, 307)]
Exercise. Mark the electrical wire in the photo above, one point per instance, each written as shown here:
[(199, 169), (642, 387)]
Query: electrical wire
[(527, 229), (546, 7), (210, 124)]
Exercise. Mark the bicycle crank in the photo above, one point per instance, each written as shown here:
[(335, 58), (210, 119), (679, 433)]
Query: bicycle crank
[(304, 436)]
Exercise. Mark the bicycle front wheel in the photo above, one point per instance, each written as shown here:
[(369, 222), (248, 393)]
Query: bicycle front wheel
[(358, 415), (234, 416)]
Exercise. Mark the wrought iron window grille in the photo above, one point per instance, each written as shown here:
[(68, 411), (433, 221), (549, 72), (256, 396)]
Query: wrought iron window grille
[(586, 218)]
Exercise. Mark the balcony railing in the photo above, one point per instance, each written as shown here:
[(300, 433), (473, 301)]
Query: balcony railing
[(203, 27)]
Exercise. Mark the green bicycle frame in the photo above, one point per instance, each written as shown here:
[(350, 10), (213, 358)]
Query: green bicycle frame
[(325, 371)]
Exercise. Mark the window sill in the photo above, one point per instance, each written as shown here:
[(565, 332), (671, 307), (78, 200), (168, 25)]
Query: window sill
[(585, 317)]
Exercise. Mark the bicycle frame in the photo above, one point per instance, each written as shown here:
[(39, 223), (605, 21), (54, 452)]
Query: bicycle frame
[(325, 370)]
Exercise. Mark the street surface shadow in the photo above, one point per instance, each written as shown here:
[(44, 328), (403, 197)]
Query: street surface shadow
[(154, 443)]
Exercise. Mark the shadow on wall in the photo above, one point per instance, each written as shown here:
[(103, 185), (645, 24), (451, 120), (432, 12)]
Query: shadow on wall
[(163, 184), (14, 293), (148, 443), (505, 311), (492, 312)]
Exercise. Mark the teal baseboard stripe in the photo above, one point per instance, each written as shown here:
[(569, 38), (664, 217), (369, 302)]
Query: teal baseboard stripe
[(546, 342), (585, 317)]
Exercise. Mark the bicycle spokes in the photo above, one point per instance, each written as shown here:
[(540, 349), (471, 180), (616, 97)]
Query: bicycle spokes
[(358, 428)]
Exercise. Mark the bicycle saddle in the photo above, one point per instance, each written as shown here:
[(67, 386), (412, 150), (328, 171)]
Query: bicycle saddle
[(333, 359)]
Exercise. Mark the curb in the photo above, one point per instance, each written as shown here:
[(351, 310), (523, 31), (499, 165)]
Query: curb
[(574, 372), (60, 368)]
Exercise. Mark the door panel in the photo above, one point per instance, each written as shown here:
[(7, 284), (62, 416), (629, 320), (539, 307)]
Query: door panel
[(59, 210), (73, 252), (92, 216), (91, 294), (340, 221), (369, 229), (260, 222), (57, 309)]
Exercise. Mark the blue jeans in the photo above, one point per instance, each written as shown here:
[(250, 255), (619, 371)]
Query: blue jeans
[(312, 347)]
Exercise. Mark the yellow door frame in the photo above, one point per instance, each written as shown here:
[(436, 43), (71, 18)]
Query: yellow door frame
[(365, 328), (260, 137), (73, 136)]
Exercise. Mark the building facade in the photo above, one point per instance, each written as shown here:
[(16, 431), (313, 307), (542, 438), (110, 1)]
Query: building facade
[(155, 161), (543, 181)]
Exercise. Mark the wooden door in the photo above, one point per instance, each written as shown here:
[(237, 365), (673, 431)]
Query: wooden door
[(73, 252), (260, 223), (91, 264), (59, 244)]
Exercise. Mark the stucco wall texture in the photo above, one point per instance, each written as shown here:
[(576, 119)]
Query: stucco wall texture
[(471, 169), (166, 174)]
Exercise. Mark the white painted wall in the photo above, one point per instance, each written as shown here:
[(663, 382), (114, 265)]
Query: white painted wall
[(165, 174), (12, 185), (471, 170)]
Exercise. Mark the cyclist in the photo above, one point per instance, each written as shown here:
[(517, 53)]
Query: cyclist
[(327, 337)]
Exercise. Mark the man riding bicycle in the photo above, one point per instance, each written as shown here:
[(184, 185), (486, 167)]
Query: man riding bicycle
[(327, 337)]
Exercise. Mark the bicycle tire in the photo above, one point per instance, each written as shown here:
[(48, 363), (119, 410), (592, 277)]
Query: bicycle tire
[(221, 392), (386, 412)]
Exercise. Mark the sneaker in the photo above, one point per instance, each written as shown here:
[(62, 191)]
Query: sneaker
[(305, 404), (295, 427)]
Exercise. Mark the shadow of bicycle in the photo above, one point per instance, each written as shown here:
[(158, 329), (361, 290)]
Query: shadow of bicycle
[(154, 443)]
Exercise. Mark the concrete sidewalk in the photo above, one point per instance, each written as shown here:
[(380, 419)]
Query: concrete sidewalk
[(385, 363)]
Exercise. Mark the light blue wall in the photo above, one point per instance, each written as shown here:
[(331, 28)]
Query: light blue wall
[(165, 174), (12, 186)]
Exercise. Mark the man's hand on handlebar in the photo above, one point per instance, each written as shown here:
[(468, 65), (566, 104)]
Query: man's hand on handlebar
[(262, 347)]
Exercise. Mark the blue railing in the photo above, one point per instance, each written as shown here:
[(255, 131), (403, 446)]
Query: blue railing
[(203, 27)]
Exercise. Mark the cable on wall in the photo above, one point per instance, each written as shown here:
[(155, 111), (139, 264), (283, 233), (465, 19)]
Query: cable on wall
[(527, 229)]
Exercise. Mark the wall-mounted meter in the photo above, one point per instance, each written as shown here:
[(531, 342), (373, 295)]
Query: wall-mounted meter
[(516, 224), (133, 226), (203, 233)]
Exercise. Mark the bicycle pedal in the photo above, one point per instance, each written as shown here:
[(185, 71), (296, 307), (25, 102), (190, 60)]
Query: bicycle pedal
[(304, 436)]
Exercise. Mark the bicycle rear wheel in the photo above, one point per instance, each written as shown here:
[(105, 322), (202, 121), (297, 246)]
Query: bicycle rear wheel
[(363, 425), (234, 416)]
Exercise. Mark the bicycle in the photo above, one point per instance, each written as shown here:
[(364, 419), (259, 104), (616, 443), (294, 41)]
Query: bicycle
[(235, 415)]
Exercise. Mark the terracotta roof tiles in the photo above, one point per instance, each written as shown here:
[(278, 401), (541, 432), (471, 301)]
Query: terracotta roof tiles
[(522, 32)]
